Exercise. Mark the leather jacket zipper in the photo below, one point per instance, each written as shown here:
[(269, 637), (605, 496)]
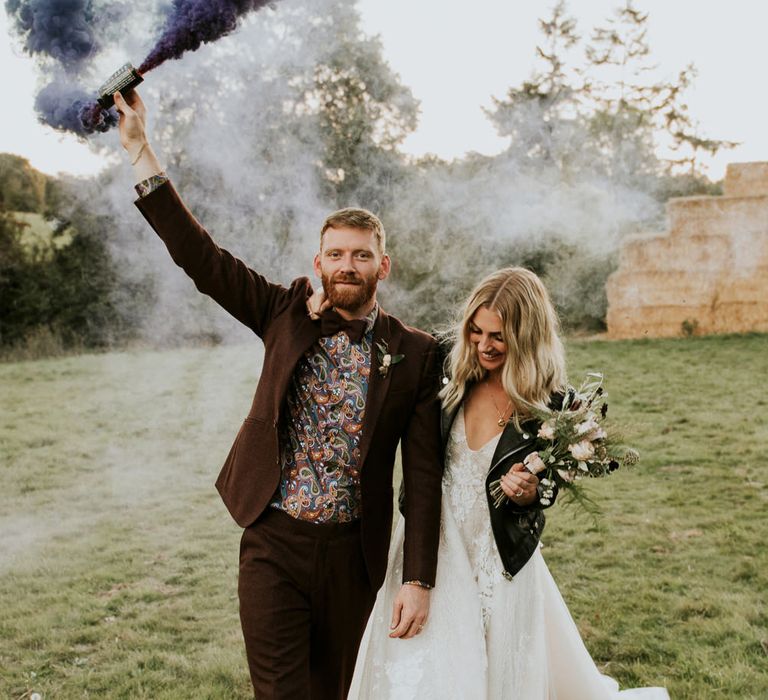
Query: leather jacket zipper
[(506, 456)]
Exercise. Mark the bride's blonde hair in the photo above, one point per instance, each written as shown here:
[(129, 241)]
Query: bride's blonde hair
[(535, 364)]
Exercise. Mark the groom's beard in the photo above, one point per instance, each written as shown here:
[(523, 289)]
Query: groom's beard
[(349, 298)]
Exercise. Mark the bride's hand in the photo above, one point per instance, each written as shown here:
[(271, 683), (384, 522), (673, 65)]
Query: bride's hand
[(519, 485), (317, 303)]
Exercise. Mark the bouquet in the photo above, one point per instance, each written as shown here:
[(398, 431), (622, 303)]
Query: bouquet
[(572, 443)]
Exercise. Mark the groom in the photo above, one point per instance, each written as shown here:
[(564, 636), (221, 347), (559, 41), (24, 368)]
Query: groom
[(309, 476)]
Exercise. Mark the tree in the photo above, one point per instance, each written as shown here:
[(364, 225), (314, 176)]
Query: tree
[(63, 289), (542, 117), (360, 110), (23, 188), (603, 113), (630, 108)]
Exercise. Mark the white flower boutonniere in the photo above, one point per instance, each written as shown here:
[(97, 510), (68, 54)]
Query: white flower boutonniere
[(386, 360)]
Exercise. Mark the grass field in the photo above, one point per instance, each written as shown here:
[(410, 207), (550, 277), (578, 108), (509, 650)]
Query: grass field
[(118, 562)]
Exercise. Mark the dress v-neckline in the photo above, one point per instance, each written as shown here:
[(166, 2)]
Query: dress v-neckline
[(493, 439)]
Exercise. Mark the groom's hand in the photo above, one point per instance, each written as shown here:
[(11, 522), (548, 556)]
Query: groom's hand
[(410, 611), (133, 119), (133, 135)]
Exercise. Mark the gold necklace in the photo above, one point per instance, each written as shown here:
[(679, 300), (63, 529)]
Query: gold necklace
[(502, 421)]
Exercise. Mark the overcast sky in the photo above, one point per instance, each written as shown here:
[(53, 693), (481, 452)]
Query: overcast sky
[(456, 56)]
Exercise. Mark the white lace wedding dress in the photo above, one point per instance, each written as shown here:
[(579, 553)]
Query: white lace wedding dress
[(487, 638)]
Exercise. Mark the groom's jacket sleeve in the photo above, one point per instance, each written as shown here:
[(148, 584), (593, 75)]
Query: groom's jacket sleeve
[(244, 293), (422, 476)]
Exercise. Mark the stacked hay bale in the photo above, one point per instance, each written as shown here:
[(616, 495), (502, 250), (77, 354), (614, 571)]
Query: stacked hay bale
[(707, 274)]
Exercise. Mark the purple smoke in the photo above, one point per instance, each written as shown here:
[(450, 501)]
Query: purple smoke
[(60, 29), (71, 109), (195, 22), (63, 30)]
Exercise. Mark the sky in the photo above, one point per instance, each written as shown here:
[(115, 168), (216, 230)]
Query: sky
[(456, 56)]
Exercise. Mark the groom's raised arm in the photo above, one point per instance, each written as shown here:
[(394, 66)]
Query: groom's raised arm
[(245, 294)]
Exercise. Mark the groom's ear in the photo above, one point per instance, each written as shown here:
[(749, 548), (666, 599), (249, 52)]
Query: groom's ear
[(316, 266), (385, 267)]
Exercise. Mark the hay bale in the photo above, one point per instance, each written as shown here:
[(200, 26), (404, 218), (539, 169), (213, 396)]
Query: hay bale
[(716, 216), (707, 274), (746, 179)]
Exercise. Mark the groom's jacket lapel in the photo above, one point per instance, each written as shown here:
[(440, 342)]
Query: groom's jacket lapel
[(388, 335)]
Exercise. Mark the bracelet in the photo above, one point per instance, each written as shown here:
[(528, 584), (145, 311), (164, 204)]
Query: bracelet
[(138, 155), (420, 584)]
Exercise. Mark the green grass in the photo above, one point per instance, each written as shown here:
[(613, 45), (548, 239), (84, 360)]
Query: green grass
[(118, 562)]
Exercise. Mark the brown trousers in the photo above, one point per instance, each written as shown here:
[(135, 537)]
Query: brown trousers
[(304, 601)]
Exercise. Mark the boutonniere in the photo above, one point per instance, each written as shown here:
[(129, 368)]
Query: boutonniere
[(385, 359)]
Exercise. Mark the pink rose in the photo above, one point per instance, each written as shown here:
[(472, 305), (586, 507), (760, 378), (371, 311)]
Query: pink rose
[(566, 475), (534, 463)]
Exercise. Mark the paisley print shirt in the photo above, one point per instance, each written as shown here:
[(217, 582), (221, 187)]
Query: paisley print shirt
[(321, 429)]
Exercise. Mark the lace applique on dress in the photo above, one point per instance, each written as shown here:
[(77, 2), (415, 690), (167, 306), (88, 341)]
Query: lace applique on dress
[(464, 485)]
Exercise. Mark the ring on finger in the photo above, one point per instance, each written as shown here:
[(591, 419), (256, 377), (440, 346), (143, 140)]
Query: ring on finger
[(519, 493)]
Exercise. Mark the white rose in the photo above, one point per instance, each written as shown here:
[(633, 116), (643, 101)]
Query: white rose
[(534, 463), (582, 450), (547, 431), (565, 475)]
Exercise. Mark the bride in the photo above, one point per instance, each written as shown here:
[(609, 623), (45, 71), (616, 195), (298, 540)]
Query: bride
[(498, 627)]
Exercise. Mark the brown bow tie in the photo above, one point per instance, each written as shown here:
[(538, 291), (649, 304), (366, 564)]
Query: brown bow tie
[(331, 323)]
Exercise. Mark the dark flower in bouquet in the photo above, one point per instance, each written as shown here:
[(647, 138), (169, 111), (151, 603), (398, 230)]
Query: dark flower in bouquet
[(574, 442)]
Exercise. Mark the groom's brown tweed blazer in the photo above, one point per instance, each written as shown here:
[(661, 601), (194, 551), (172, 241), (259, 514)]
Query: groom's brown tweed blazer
[(401, 405)]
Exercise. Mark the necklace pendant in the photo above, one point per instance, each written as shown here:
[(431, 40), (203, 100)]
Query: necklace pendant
[(501, 422)]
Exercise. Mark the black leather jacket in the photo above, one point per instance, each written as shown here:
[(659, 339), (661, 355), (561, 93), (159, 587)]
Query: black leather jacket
[(516, 529)]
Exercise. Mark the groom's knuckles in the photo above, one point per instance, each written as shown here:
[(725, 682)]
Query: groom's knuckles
[(406, 622), (397, 613)]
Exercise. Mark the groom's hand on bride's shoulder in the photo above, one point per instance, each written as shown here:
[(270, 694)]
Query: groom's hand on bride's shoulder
[(317, 303), (409, 611)]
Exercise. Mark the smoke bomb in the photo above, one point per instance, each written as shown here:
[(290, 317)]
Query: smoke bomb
[(124, 79)]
